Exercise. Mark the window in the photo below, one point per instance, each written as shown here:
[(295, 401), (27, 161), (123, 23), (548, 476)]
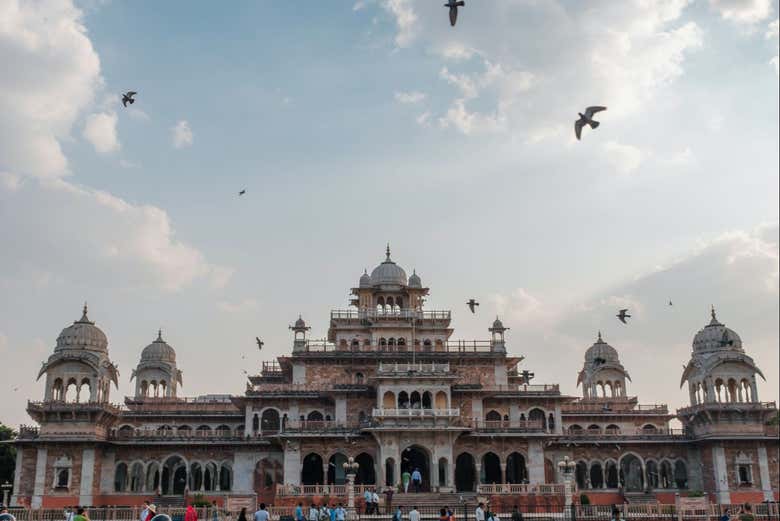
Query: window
[(744, 476), (63, 478)]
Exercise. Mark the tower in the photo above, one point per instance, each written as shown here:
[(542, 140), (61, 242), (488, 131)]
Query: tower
[(299, 330), (602, 374), (157, 375)]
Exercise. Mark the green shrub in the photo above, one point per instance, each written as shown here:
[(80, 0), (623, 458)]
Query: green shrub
[(584, 499)]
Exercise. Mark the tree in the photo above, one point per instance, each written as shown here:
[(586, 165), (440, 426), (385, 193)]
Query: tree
[(7, 455)]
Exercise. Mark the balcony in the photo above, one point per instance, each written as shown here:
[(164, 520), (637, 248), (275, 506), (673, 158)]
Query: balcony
[(548, 489), (532, 389), (374, 315), (450, 346), (634, 434), (745, 406), (320, 426), (612, 408), (416, 413), (390, 369), (480, 425)]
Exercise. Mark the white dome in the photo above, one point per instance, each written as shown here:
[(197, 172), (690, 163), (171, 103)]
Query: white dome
[(365, 280), (388, 273), (158, 350), (414, 281), (716, 337), (601, 351), (83, 334)]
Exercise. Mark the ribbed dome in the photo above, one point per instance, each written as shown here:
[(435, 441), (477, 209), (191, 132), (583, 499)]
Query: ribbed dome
[(83, 334), (300, 323), (414, 281), (497, 324), (716, 337), (365, 280), (601, 351), (158, 350), (388, 273)]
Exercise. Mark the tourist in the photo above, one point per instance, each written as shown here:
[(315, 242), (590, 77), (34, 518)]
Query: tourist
[(399, 515), (70, 513), (388, 499), (746, 514), (324, 513), (144, 512), (191, 515), (479, 513), (615, 514), (450, 514), (725, 516), (516, 514), (81, 515), (375, 501), (341, 514), (405, 479), (417, 480), (151, 511), (414, 514), (241, 515), (443, 515), (314, 512), (492, 516), (262, 514), (367, 499), (332, 513), (299, 513)]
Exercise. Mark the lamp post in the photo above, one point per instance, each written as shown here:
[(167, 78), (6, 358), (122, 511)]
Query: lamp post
[(6, 493), (566, 469), (350, 468)]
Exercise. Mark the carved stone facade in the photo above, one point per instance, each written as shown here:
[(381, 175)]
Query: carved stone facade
[(390, 388)]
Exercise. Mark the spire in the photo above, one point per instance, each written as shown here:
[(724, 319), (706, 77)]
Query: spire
[(159, 335), (714, 321), (387, 252), (84, 318), (599, 340)]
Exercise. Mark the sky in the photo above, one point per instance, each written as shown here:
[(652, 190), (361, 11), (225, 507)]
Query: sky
[(355, 124)]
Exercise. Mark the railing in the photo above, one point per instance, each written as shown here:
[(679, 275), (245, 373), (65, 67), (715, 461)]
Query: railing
[(388, 314), (622, 407), (408, 368), (450, 346), (416, 413), (727, 405), (60, 405), (319, 426), (271, 368), (619, 433), (523, 388), (507, 425), (320, 490), (175, 434), (550, 489)]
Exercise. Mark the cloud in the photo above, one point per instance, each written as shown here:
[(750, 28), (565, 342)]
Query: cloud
[(11, 182), (685, 158), (357, 6), (743, 11), (773, 30), (100, 130), (409, 97), (242, 306), (51, 74), (776, 63), (405, 20), (424, 119), (623, 158), (455, 51), (181, 134)]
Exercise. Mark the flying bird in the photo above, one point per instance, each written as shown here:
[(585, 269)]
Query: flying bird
[(242, 192), (127, 97), (453, 5), (260, 343), (623, 315), (599, 361), (670, 303), (587, 119), (472, 304), (725, 341)]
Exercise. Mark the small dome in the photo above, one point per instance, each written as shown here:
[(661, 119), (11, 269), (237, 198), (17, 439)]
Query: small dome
[(497, 324), (601, 352), (83, 334), (158, 350), (414, 280), (365, 280), (388, 273), (300, 323), (716, 337)]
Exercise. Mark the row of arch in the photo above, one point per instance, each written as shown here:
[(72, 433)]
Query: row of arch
[(609, 429), (315, 472), (389, 303), (725, 391), (127, 431), (607, 389), (415, 400), (393, 344), (174, 475), (75, 391), (153, 388), (632, 473), (546, 421)]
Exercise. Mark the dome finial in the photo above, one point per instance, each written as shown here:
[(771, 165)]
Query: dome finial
[(84, 318), (387, 252), (714, 320), (159, 335), (599, 340)]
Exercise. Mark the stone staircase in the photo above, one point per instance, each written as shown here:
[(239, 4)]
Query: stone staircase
[(640, 498), (431, 500)]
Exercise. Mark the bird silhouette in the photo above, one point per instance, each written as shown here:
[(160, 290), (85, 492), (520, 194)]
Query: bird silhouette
[(623, 315), (599, 361), (260, 343), (127, 97), (670, 303), (587, 119), (242, 192), (453, 5), (725, 341), (472, 304)]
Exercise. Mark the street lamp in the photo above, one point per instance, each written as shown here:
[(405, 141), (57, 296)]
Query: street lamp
[(566, 468), (6, 493), (350, 468)]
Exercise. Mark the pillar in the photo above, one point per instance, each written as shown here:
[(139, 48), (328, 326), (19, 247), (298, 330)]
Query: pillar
[(503, 472), (292, 464), (325, 472), (535, 462), (753, 389), (720, 471), (17, 476), (39, 485), (763, 470)]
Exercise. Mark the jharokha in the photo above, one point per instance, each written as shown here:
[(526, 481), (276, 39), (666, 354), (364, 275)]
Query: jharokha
[(390, 388)]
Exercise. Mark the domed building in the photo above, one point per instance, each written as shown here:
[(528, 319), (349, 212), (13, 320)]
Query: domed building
[(157, 375), (602, 374)]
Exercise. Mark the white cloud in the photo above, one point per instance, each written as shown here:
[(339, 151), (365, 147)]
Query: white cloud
[(405, 20), (623, 158), (9, 181), (773, 30), (357, 6), (181, 134), (685, 158), (776, 63), (51, 73), (100, 130), (242, 306), (455, 51), (743, 11), (409, 97), (424, 119)]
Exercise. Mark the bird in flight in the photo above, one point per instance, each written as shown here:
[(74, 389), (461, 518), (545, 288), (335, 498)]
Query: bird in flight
[(260, 343), (453, 5), (587, 119), (725, 341), (127, 97), (242, 192), (472, 304), (670, 303), (623, 315)]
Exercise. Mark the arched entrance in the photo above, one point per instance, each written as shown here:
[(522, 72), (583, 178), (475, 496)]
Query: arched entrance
[(465, 473), (516, 471), (366, 474), (336, 473), (390, 480), (174, 476), (416, 457), (491, 469), (268, 474), (270, 421), (631, 474), (311, 472)]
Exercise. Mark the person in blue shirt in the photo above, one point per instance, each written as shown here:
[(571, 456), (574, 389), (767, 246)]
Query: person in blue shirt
[(332, 511), (299, 513), (341, 514), (417, 480), (262, 514)]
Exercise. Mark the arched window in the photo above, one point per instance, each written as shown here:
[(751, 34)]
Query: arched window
[(270, 421), (680, 474), (403, 400), (120, 477), (493, 416), (441, 400), (581, 474), (388, 400), (136, 477), (315, 416), (491, 469), (414, 400), (612, 474), (596, 475), (594, 429), (575, 430), (255, 423), (537, 416), (516, 471), (651, 471), (666, 474), (63, 478), (551, 421), (359, 378), (223, 431), (365, 474), (57, 390), (631, 475), (184, 430), (204, 431), (196, 476), (426, 400), (311, 472), (612, 429), (225, 477)]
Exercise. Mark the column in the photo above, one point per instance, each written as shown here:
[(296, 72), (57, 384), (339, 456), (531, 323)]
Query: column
[(478, 469), (763, 470), (292, 464), (711, 397), (753, 389), (720, 471), (325, 472), (40, 478), (18, 476), (341, 409), (535, 462), (244, 463), (558, 420)]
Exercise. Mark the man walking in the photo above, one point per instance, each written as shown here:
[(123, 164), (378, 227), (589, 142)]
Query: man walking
[(405, 479), (388, 500), (417, 480), (367, 499), (479, 513), (262, 514), (414, 514)]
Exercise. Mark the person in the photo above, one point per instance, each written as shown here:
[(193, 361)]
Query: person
[(144, 512), (314, 512), (191, 515), (241, 515), (616, 515), (414, 514), (450, 514), (443, 515), (324, 513), (299, 513), (516, 514), (479, 513), (262, 514), (215, 508), (341, 514), (81, 515), (333, 513), (725, 516), (388, 500), (151, 511), (399, 515), (367, 499), (417, 479), (405, 479), (375, 501), (492, 516), (746, 514)]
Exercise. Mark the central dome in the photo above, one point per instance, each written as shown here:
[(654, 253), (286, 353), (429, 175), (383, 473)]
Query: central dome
[(82, 334), (716, 337), (158, 350), (601, 352), (388, 273)]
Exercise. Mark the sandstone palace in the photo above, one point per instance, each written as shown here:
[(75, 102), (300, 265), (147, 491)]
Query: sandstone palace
[(390, 388)]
